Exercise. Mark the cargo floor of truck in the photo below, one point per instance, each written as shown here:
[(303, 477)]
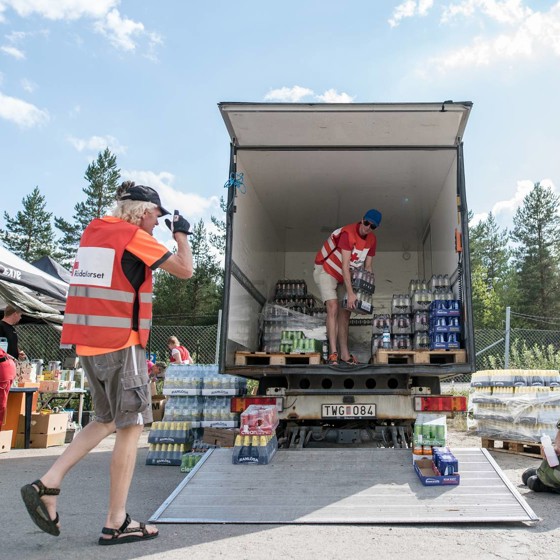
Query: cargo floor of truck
[(358, 486)]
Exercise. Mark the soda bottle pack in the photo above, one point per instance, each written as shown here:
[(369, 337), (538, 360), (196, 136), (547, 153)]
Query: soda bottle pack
[(363, 285), (254, 450)]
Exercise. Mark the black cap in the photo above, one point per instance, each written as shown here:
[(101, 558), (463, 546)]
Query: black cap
[(144, 194)]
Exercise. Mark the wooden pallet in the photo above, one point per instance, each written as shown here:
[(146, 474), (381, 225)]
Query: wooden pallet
[(276, 359), (526, 448), (420, 357)]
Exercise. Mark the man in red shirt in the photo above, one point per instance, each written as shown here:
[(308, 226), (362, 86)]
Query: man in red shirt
[(351, 246)]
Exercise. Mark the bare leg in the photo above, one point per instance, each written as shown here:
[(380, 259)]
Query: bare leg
[(332, 323), (81, 445), (123, 462), (343, 321)]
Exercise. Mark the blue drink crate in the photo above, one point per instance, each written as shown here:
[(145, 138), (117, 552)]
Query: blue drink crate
[(448, 324), (445, 308)]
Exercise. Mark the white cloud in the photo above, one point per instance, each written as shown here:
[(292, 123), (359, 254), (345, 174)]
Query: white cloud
[(410, 8), (296, 93), (13, 51), (97, 144), (21, 113), (119, 30), (501, 11), (28, 85), (60, 9), (288, 95), (508, 207), (75, 111), (332, 96), (525, 34), (122, 32), (192, 206)]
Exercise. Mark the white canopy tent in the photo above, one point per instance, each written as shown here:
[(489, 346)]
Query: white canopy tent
[(15, 270)]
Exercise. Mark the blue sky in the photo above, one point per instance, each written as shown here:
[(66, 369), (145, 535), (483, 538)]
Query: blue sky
[(145, 77)]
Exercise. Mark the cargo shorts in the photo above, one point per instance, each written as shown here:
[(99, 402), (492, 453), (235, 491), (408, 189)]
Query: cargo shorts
[(329, 288), (119, 386)]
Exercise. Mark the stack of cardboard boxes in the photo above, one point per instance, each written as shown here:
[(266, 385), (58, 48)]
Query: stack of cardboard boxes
[(47, 430)]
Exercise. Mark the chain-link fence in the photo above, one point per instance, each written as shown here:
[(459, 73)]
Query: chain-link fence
[(528, 348), (42, 342)]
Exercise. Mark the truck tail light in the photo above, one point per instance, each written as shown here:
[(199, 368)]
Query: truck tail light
[(239, 404), (440, 404)]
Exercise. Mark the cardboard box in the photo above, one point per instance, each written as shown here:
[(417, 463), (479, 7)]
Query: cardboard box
[(224, 437), (48, 386), (5, 441), (41, 441), (428, 477), (45, 423), (158, 407)]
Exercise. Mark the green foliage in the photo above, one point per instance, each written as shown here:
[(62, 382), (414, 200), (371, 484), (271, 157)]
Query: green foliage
[(522, 356), (102, 176), (537, 236), (29, 234), (491, 273), (197, 299)]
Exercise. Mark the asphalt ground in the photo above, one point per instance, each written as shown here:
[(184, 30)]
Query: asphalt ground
[(82, 507)]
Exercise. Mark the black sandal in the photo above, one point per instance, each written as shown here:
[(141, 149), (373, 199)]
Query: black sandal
[(124, 529), (36, 507)]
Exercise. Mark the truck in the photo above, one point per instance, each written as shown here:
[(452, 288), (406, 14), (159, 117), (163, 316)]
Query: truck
[(298, 171)]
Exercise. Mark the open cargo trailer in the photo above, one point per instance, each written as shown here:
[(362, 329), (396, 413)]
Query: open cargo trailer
[(307, 170)]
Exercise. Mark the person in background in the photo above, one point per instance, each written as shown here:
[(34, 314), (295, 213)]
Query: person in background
[(351, 246), (12, 316), (178, 354), (108, 317), (158, 371), (7, 375), (545, 478)]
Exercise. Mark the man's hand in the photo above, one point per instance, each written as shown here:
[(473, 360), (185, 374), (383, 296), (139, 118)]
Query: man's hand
[(352, 300), (179, 224)]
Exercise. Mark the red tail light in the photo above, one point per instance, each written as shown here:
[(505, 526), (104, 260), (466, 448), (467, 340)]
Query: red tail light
[(239, 404), (440, 404)]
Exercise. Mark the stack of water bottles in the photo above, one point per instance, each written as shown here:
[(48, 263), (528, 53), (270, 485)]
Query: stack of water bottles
[(445, 316), (517, 405), (198, 397), (256, 443), (363, 285)]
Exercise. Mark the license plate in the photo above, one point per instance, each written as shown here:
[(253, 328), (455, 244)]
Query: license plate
[(348, 411)]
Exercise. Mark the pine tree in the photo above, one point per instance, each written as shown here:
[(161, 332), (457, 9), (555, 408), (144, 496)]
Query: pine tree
[(491, 273), (30, 233), (102, 176), (536, 234), (196, 300)]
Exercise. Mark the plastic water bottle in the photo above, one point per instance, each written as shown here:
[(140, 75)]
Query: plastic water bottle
[(386, 339), (549, 452)]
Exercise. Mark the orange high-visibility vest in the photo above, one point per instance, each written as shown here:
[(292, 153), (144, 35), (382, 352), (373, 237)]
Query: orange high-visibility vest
[(330, 255), (100, 305)]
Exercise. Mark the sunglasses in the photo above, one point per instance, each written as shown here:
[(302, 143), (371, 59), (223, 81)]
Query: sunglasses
[(369, 224)]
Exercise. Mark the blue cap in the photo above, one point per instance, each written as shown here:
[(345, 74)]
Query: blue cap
[(373, 216)]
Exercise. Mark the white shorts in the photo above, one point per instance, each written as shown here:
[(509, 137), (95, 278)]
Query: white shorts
[(329, 288)]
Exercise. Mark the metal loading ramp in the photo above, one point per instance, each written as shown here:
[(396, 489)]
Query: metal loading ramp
[(355, 486)]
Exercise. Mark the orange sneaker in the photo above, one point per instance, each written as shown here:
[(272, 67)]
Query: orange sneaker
[(333, 359)]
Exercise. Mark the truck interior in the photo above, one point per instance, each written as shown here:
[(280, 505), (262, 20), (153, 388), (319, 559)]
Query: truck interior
[(308, 169)]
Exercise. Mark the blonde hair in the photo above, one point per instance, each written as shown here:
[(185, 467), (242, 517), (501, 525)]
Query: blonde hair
[(132, 211), (173, 340)]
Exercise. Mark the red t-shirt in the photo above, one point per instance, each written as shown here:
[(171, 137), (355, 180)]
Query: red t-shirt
[(344, 242)]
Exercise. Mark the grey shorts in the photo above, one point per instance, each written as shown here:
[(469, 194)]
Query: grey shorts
[(118, 382), (329, 288)]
